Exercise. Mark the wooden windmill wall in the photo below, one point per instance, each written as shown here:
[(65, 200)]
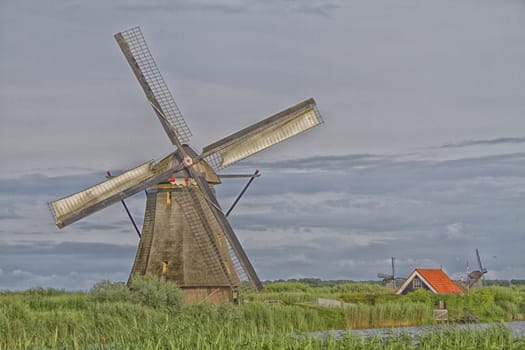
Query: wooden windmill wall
[(183, 241), (171, 247)]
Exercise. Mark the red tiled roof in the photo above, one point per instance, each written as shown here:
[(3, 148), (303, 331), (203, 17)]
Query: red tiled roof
[(439, 281)]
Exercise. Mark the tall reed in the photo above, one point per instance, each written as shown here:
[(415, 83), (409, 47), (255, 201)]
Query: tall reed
[(84, 323), (388, 315)]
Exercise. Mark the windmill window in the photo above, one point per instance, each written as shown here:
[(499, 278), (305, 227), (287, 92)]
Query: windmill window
[(416, 283)]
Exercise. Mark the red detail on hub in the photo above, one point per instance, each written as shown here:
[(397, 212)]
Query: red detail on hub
[(186, 180), (172, 180)]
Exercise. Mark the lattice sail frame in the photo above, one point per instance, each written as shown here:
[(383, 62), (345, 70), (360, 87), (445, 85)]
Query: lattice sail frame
[(139, 57), (69, 209), (261, 135)]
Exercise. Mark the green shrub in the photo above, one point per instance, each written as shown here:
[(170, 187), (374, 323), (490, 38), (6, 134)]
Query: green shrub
[(157, 292), (286, 287), (45, 291), (421, 296), (284, 297), (359, 298), (110, 291), (359, 287)]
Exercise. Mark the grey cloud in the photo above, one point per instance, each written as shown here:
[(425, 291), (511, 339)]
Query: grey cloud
[(8, 212), (64, 265), (21, 280), (88, 226), (498, 141), (387, 78), (323, 8), (39, 184), (183, 6), (303, 219), (320, 8), (384, 175), (423, 206), (320, 163), (66, 248)]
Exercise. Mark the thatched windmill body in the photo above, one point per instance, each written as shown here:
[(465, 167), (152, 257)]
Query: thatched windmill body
[(185, 235)]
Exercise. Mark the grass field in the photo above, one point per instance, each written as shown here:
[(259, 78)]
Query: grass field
[(154, 317)]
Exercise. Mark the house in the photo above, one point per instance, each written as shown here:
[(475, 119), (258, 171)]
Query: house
[(434, 280)]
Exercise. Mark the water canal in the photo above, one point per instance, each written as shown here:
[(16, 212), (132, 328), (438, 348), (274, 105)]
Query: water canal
[(517, 327)]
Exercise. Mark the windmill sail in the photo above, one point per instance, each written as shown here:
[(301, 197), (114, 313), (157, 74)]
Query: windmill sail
[(81, 204), (263, 134), (479, 262), (143, 65)]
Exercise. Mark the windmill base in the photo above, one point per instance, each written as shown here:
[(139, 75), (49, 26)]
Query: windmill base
[(220, 294), (390, 284)]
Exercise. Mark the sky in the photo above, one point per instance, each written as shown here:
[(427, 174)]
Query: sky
[(421, 155)]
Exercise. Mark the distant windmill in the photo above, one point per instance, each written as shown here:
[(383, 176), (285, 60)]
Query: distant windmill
[(475, 276), (185, 235), (390, 281)]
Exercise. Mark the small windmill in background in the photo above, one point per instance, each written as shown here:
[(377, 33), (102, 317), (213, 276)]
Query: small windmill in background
[(391, 281), (474, 277)]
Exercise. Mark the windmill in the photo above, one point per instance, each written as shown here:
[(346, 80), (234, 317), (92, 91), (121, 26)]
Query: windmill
[(390, 281), (185, 235), (474, 277)]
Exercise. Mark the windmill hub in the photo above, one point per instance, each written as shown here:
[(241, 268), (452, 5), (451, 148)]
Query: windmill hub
[(187, 161), (186, 236)]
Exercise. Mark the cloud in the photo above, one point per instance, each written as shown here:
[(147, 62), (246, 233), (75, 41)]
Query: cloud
[(316, 7), (410, 209), (491, 142), (8, 213), (330, 217), (70, 265), (22, 280), (323, 8), (224, 7), (455, 231)]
